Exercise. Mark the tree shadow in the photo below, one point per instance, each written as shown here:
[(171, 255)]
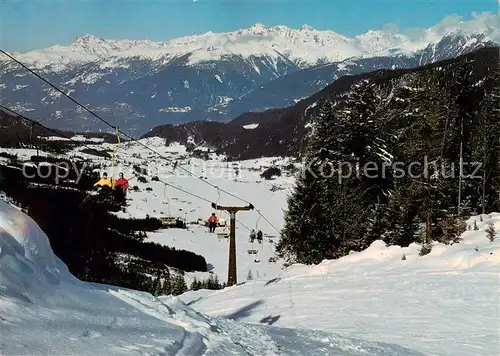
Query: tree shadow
[(210, 267), (271, 281), (245, 311), (194, 301)]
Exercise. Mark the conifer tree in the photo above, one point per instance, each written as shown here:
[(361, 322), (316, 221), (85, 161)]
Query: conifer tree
[(463, 120), (175, 285), (210, 282), (486, 144), (423, 118), (148, 285), (217, 285), (156, 287), (452, 228), (303, 221), (321, 218), (167, 284), (401, 217), (182, 285), (368, 144), (179, 285), (195, 285), (490, 231)]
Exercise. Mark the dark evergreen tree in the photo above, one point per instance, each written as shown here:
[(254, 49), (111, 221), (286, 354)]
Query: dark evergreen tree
[(490, 231), (486, 146), (217, 285), (157, 284), (464, 96), (323, 219), (304, 220), (167, 285), (179, 285), (194, 284), (452, 228), (400, 220)]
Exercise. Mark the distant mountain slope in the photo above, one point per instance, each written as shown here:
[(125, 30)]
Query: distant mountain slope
[(283, 131), (289, 89), (215, 76), (14, 130)]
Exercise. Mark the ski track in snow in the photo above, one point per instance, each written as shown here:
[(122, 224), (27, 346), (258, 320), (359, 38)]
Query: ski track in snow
[(445, 303)]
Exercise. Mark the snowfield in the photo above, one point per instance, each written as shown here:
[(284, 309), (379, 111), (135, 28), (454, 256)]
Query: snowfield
[(45, 310), (444, 304)]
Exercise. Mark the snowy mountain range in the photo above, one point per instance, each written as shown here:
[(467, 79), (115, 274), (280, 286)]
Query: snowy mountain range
[(216, 76)]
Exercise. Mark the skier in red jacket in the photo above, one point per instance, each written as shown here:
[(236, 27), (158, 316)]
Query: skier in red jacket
[(212, 222), (122, 183)]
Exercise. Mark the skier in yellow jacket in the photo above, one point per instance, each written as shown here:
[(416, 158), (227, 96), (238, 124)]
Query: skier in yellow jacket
[(104, 181)]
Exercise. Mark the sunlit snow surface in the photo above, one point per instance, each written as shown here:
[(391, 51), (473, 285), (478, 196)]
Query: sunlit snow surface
[(445, 303), (45, 310)]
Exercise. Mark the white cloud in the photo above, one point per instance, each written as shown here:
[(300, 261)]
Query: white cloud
[(486, 22)]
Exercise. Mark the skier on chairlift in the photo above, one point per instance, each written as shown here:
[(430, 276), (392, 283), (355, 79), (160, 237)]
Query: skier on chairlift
[(104, 181), (121, 183), (212, 222), (253, 236), (104, 189), (259, 236), (120, 188), (105, 185)]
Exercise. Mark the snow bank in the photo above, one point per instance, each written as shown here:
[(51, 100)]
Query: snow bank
[(250, 126), (444, 303), (25, 251), (473, 252), (21, 235), (45, 310)]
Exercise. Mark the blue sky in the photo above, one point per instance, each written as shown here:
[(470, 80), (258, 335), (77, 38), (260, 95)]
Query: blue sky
[(31, 24)]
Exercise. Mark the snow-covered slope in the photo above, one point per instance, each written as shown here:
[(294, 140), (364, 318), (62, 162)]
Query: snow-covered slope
[(444, 303), (45, 310)]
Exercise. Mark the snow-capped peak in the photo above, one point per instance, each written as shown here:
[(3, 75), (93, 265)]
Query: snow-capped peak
[(307, 28), (258, 27), (86, 39)]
